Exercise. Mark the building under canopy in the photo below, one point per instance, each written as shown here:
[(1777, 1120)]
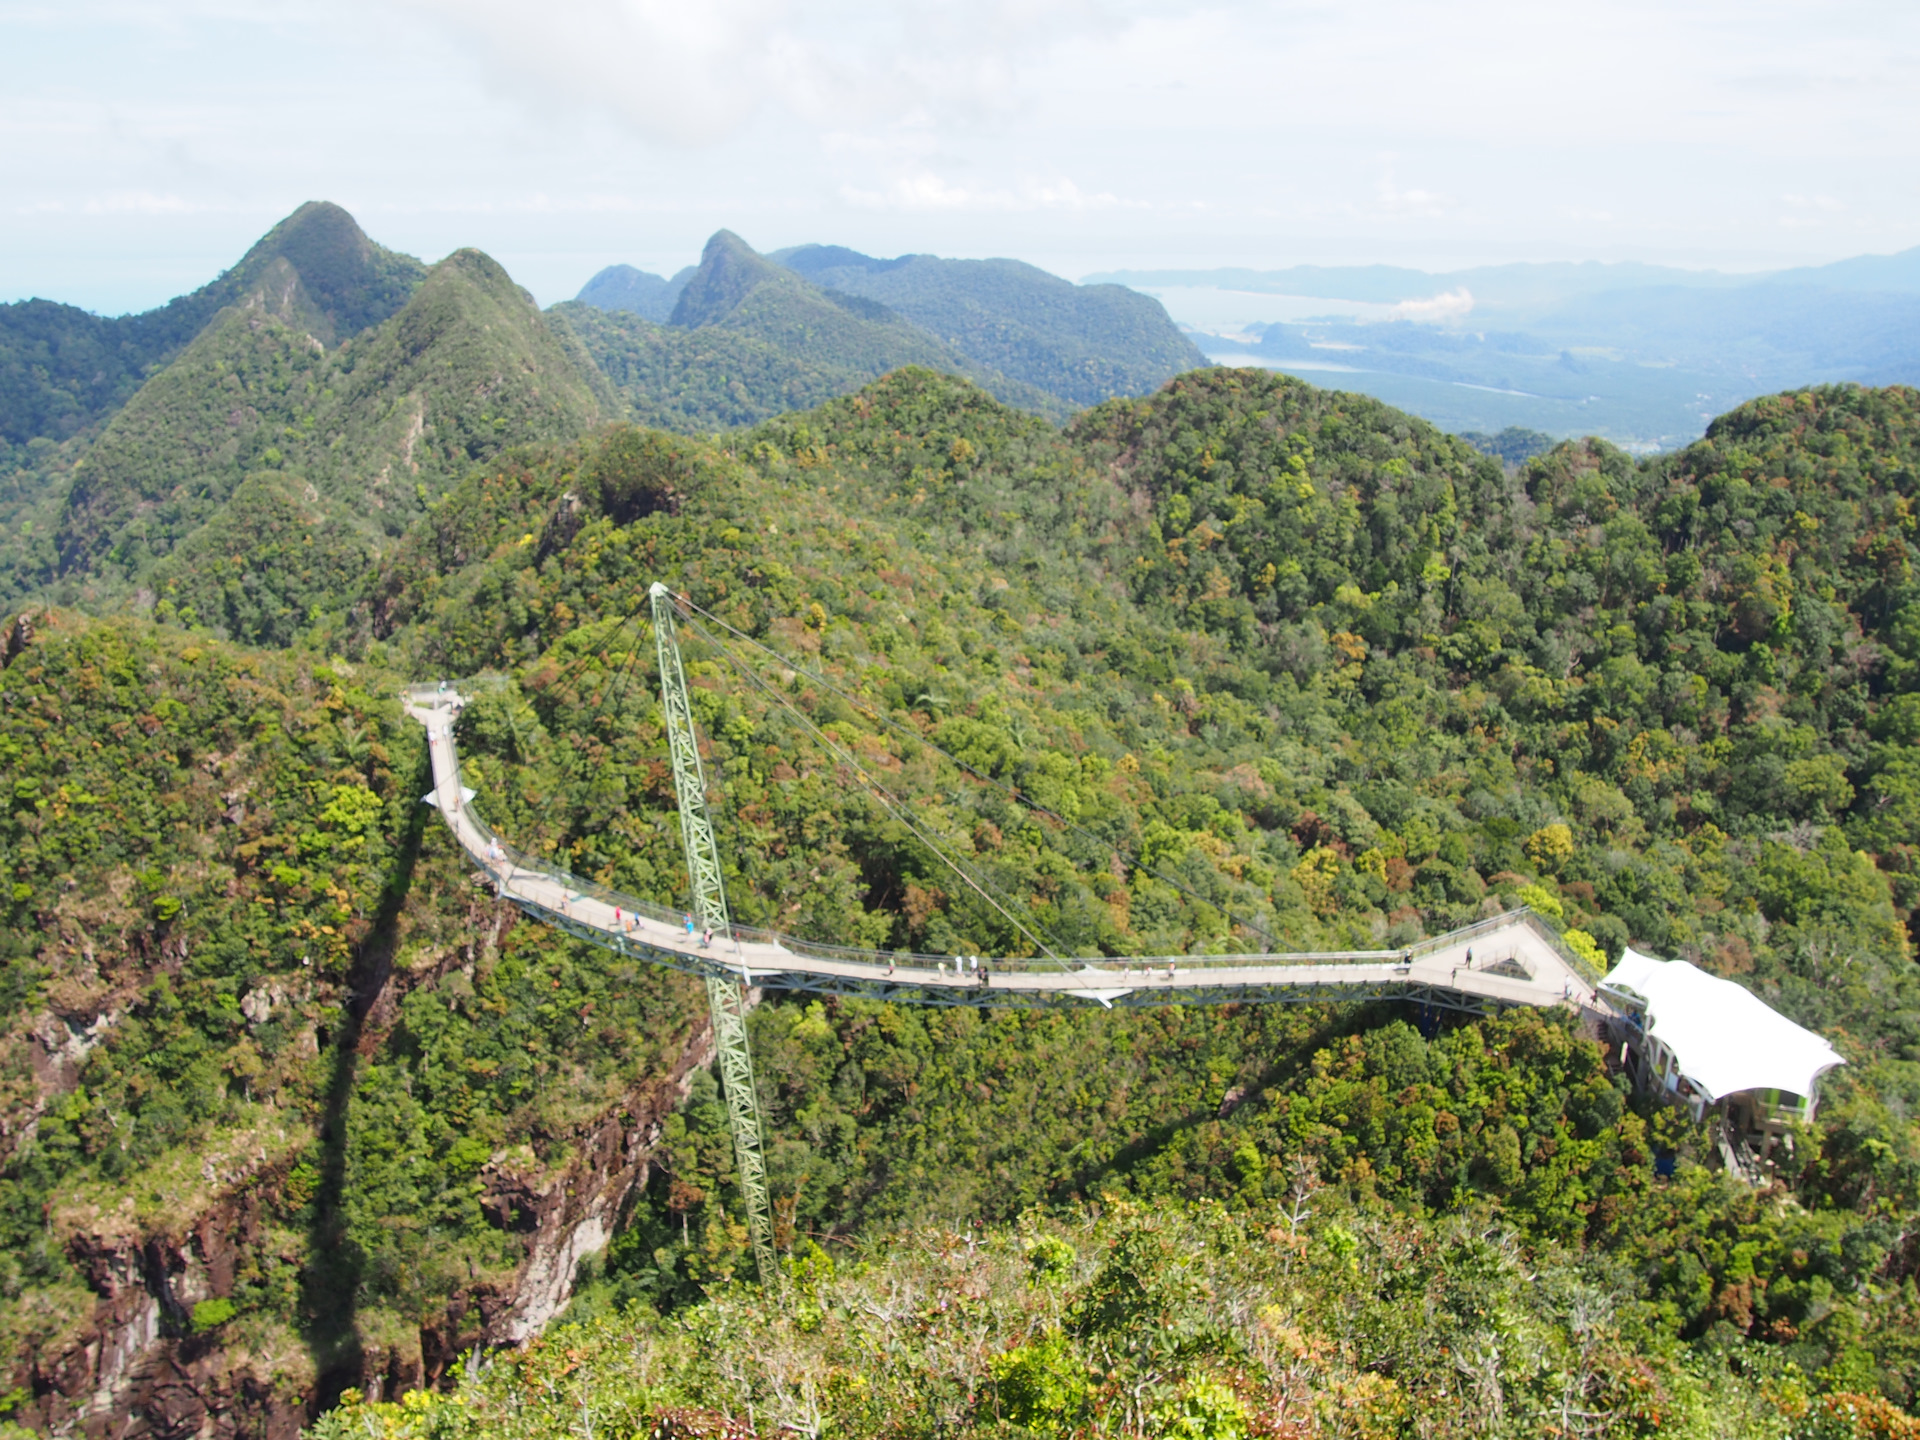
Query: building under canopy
[(1712, 1042)]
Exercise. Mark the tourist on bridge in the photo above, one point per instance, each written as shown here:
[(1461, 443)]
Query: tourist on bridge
[(689, 926), (706, 940)]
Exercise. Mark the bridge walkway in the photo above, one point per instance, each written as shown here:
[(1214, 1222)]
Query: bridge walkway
[(1512, 959)]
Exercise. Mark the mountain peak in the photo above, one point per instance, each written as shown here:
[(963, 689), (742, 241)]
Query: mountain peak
[(350, 282), (729, 271)]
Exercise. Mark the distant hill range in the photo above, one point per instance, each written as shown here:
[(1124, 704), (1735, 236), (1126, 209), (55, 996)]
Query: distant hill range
[(238, 454), (1005, 323), (747, 338), (622, 287), (1641, 354)]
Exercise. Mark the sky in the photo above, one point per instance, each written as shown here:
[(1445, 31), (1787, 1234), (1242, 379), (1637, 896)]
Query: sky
[(144, 144)]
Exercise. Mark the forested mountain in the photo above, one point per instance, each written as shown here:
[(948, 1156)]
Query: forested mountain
[(1084, 343), (700, 381), (294, 1104), (62, 369), (622, 287), (243, 454), (1033, 339), (748, 339), (331, 390), (257, 474)]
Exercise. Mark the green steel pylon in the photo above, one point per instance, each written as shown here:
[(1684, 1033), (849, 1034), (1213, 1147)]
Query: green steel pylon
[(726, 997)]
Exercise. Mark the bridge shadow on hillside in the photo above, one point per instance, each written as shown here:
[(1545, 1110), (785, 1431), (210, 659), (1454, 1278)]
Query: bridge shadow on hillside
[(330, 1284), (1345, 1020)]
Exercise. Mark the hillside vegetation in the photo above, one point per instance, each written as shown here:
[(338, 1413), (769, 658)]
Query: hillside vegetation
[(63, 369), (295, 1096), (1084, 343), (748, 339), (1163, 1320), (243, 455)]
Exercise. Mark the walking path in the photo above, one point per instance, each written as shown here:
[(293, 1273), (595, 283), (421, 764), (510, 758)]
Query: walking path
[(1510, 960)]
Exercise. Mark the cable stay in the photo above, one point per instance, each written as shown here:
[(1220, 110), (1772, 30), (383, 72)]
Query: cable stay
[(1013, 793), (889, 802)]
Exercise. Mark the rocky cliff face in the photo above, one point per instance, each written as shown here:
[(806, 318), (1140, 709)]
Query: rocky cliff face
[(127, 1359)]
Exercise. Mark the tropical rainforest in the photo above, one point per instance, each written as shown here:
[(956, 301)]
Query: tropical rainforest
[(303, 1127)]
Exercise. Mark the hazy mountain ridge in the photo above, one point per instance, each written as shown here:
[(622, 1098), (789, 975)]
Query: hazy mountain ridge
[(1085, 343), (1517, 284), (1005, 322), (623, 287), (1643, 354), (776, 336)]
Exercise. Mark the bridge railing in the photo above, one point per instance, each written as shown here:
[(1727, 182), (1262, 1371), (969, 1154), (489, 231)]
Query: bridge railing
[(514, 861), (1524, 915)]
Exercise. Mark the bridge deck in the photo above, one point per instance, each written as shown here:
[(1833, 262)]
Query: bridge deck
[(1511, 960)]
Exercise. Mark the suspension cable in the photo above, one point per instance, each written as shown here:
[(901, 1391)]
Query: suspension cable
[(543, 810), (873, 712), (889, 802)]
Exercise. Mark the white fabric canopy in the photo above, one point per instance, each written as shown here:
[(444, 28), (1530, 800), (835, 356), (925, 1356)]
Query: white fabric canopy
[(1724, 1037)]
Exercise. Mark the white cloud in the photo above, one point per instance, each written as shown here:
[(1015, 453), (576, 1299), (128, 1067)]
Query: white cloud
[(139, 202), (1453, 305), (925, 190), (1081, 134), (1394, 200), (119, 202), (700, 71)]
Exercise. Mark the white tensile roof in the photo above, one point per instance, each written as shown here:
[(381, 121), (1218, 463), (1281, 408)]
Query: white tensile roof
[(1725, 1037)]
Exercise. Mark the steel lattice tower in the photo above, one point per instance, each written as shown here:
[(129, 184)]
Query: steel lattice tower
[(726, 996)]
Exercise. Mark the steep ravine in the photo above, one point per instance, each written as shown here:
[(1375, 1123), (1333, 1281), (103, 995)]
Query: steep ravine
[(136, 1367)]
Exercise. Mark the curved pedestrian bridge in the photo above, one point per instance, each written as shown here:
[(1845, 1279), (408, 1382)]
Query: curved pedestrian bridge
[(1512, 959)]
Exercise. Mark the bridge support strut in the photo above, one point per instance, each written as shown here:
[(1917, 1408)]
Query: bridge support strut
[(726, 996)]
